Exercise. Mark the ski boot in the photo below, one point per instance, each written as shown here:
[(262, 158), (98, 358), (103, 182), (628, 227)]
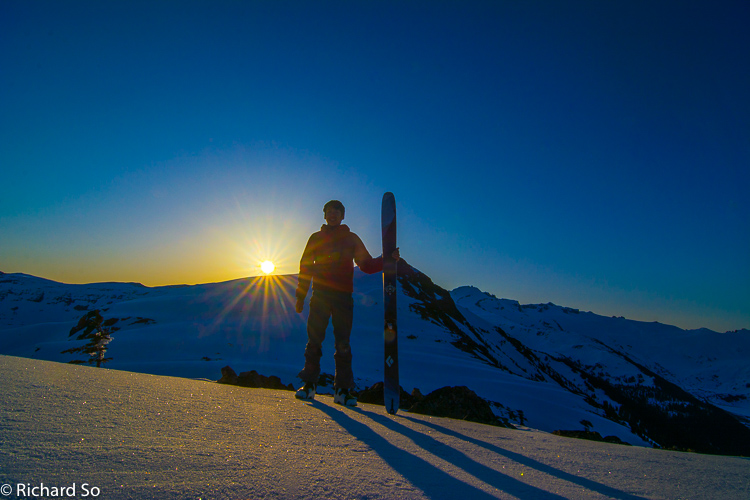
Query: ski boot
[(344, 398), (307, 392)]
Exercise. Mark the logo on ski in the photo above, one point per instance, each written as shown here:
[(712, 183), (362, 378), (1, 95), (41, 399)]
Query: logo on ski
[(390, 289), (389, 361)]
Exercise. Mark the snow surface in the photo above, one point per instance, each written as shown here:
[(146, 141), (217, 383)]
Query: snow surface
[(712, 366), (250, 324), (141, 436)]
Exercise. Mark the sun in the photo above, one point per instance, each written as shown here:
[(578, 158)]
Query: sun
[(267, 266)]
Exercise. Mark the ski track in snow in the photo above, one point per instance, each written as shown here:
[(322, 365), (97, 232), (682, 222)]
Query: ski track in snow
[(135, 435)]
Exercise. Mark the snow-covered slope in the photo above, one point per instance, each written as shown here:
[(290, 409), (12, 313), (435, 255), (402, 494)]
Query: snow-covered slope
[(710, 365), (125, 435), (541, 366)]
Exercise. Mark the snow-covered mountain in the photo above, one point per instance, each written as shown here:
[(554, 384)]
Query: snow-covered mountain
[(542, 366)]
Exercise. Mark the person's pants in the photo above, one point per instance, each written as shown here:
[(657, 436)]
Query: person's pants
[(338, 306)]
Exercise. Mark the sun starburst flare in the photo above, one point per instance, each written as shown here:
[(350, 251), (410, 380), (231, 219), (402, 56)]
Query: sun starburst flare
[(267, 266)]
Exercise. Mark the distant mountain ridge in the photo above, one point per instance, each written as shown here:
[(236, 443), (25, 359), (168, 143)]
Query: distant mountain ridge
[(541, 365)]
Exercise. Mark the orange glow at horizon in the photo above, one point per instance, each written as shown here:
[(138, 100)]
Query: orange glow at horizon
[(260, 241)]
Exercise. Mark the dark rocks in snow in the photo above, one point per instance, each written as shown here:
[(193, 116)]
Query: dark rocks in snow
[(228, 376), (732, 399), (457, 402), (252, 379), (451, 402), (591, 436), (326, 380), (667, 415), (144, 321), (374, 395), (435, 304)]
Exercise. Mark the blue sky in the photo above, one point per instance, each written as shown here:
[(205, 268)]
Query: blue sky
[(591, 154)]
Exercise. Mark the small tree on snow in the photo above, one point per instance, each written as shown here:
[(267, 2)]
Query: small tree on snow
[(98, 333)]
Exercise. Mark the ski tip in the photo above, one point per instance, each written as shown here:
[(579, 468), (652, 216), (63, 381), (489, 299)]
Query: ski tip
[(391, 407)]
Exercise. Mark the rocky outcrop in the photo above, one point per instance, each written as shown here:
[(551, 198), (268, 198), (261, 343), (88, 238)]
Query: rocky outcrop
[(374, 395), (252, 379), (459, 403), (591, 436), (451, 402), (228, 376)]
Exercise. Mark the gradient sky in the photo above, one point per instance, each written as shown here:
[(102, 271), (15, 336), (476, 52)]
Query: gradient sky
[(592, 154)]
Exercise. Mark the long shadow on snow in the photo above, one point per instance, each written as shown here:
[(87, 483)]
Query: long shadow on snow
[(529, 462), (435, 482)]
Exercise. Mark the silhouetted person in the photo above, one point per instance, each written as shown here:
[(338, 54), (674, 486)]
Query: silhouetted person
[(328, 262)]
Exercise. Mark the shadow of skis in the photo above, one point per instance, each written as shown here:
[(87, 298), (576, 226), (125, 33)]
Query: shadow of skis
[(433, 481), (528, 462)]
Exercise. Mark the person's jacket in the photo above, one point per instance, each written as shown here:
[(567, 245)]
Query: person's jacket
[(327, 260)]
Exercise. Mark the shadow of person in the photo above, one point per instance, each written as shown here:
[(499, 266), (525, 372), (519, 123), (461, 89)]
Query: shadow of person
[(528, 462), (432, 480)]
